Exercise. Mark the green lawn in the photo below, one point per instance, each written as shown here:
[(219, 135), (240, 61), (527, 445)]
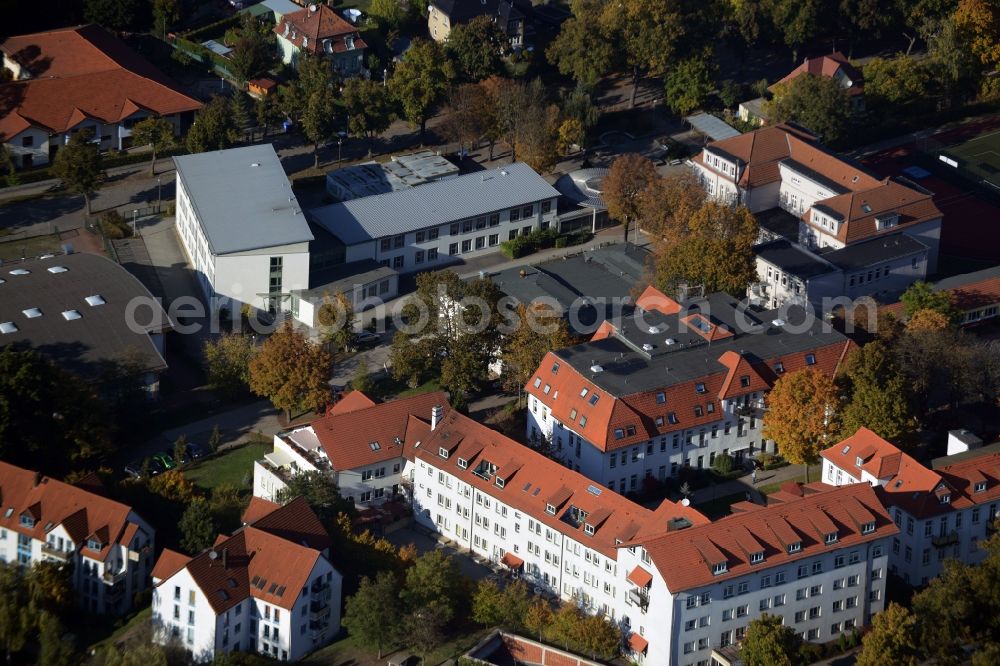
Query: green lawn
[(814, 475), (719, 507), (387, 388), (96, 634), (347, 651), (228, 467)]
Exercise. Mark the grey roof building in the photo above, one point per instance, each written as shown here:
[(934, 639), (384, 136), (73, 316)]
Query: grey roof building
[(399, 173), (75, 309), (242, 199), (437, 203)]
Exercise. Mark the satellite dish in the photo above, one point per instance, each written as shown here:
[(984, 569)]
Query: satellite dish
[(213, 555), (685, 502)]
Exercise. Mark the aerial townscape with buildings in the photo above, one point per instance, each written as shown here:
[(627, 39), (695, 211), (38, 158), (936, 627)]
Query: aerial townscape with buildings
[(495, 332)]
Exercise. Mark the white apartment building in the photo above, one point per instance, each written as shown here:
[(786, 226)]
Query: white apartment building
[(837, 202), (268, 588), (242, 228), (108, 545), (942, 511), (441, 222), (360, 443), (674, 386), (519, 509), (818, 560)]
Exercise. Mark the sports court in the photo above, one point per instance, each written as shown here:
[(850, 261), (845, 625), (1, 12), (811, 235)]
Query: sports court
[(977, 159)]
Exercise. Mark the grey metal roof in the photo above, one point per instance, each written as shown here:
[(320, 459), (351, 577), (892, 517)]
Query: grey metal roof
[(243, 199), (862, 255), (779, 222), (793, 259), (956, 281), (435, 203), (400, 173), (714, 128), (626, 369), (583, 187), (101, 335)]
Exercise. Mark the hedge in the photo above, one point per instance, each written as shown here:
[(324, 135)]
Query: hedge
[(212, 29), (107, 162), (523, 245)]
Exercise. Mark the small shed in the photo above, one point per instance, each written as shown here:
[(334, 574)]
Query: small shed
[(714, 128), (262, 87)]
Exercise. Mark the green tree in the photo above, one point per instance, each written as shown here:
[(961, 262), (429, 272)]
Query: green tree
[(601, 638), (16, 612), (50, 587), (537, 143), (156, 133), (578, 105), (320, 492), (319, 120), (336, 316), (369, 109), (253, 52), (468, 116), (78, 165), (922, 296), (539, 617), (413, 360), (476, 48), (180, 449), (56, 646), (370, 613), (819, 103), (434, 580), (362, 380), (769, 643), (115, 15), (628, 178), (214, 439), (165, 14), (49, 418), (227, 361), (421, 81), (538, 330), (892, 639), (689, 83), (582, 49), (389, 13), (291, 371), (240, 108), (267, 111), (797, 22), (802, 415), (891, 83), (878, 394), (426, 626), (197, 527), (669, 203), (213, 127)]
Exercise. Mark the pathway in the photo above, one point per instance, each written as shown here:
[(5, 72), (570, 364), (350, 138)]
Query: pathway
[(745, 484)]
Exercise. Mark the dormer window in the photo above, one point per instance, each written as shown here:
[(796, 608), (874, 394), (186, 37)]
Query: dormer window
[(619, 433), (698, 410), (594, 398), (810, 359), (548, 387), (583, 421), (661, 398), (719, 568), (555, 368), (858, 462), (538, 382), (500, 482), (980, 486), (572, 414), (588, 529), (757, 558), (584, 392), (93, 544), (672, 418), (27, 520), (794, 547), (745, 381), (659, 421), (868, 528), (699, 388), (443, 452), (463, 463), (779, 367), (830, 538), (946, 498), (550, 509)]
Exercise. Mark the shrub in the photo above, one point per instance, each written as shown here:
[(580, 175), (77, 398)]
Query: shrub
[(114, 226), (562, 241), (723, 464)]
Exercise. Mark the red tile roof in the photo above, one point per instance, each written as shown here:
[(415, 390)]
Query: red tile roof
[(294, 522), (827, 65), (318, 26), (358, 432), (639, 577), (651, 418), (80, 73), (511, 561), (258, 508), (685, 558), (265, 560), (971, 291), (637, 643), (52, 503), (538, 482), (859, 209), (654, 300), (882, 460)]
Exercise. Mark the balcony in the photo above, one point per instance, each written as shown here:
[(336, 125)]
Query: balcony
[(639, 598), (55, 553), (114, 578), (945, 540)]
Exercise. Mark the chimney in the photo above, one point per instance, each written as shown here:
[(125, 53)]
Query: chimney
[(436, 413), (38, 478), (225, 552)]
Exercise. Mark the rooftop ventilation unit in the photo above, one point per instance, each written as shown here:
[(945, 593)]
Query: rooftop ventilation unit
[(647, 347), (20, 271), (778, 322), (57, 269), (670, 341), (653, 330), (596, 368), (95, 300), (32, 313), (70, 315), (8, 327)]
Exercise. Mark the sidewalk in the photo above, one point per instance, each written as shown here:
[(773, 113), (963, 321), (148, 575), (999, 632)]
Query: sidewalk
[(745, 483), (163, 165)]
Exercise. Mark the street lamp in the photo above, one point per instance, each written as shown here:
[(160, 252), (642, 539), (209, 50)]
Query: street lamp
[(385, 75), (135, 214), (158, 184), (340, 142)]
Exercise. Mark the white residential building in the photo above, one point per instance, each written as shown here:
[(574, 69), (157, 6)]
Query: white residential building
[(108, 546), (942, 511), (360, 443), (268, 588), (441, 222), (241, 227), (674, 387), (818, 560), (838, 203)]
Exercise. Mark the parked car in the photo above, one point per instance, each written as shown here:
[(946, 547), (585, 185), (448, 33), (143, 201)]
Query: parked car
[(165, 459), (134, 469), (367, 339), (156, 467), (193, 452)]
